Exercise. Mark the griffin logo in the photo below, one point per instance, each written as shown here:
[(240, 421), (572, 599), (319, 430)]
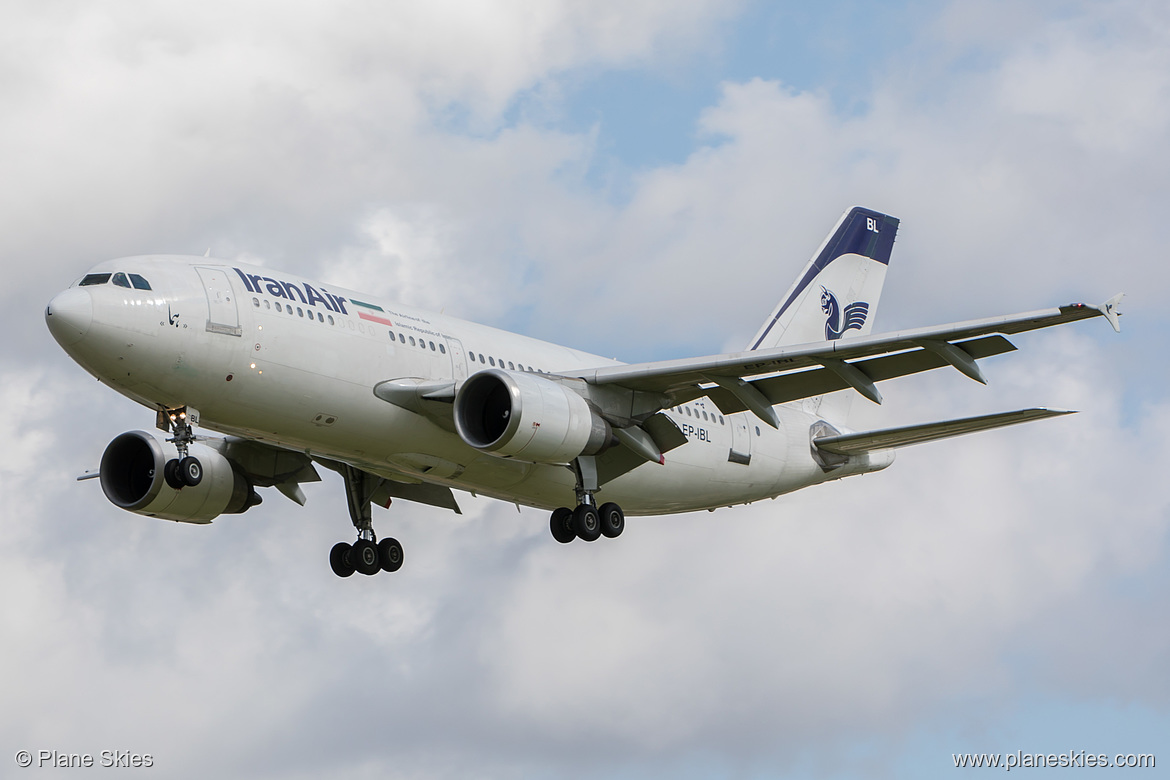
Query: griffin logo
[(855, 314)]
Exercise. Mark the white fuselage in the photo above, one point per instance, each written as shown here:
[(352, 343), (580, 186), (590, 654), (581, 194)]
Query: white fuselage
[(277, 358)]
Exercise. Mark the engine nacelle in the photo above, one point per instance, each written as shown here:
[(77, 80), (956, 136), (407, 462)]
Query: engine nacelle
[(527, 417), (132, 478)]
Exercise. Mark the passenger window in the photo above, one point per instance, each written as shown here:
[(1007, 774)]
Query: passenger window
[(138, 282), (401, 339), (277, 304), (480, 357), (721, 420), (492, 360), (120, 280), (300, 312), (92, 279), (757, 430), (432, 345), (412, 341), (320, 317), (510, 366), (704, 414), (688, 410), (330, 319), (256, 302), (267, 305), (392, 336), (442, 348)]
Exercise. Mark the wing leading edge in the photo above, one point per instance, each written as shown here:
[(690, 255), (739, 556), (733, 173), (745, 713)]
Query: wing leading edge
[(760, 379)]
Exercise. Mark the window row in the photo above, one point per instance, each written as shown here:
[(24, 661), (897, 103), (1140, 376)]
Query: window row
[(699, 413), (289, 308), (119, 279), (488, 360), (421, 343)]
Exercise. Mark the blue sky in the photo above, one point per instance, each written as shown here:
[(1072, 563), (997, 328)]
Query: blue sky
[(646, 116), (641, 180)]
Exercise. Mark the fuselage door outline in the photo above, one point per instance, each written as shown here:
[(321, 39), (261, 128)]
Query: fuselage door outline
[(741, 439), (458, 362), (222, 314)]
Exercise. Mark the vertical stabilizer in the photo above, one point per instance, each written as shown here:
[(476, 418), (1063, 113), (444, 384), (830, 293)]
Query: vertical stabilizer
[(836, 295)]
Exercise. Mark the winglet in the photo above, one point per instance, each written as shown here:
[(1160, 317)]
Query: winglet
[(1110, 310)]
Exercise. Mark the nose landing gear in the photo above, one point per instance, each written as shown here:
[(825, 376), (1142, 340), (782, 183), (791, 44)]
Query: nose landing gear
[(185, 470)]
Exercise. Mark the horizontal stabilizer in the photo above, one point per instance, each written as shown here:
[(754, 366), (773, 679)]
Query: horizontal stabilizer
[(857, 443)]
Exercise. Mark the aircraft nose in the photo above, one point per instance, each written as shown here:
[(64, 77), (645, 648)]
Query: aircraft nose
[(69, 315)]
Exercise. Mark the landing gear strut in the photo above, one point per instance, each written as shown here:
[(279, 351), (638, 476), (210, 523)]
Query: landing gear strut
[(184, 471), (367, 555), (587, 521)]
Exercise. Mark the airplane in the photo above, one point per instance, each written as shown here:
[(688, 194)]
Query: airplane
[(409, 404)]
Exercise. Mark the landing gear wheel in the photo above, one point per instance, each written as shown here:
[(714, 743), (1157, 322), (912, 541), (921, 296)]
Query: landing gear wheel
[(561, 525), (390, 554), (171, 474), (586, 522), (365, 556), (339, 558), (190, 471), (613, 520)]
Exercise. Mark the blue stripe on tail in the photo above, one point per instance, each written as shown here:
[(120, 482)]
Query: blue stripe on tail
[(863, 232)]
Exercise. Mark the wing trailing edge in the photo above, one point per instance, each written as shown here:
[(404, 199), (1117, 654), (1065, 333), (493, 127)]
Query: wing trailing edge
[(890, 438)]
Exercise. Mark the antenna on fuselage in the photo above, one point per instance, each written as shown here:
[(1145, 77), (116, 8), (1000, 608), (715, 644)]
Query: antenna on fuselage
[(208, 252)]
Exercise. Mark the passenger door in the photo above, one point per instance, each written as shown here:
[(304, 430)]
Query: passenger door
[(222, 315)]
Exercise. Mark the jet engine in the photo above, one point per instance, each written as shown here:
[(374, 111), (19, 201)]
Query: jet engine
[(132, 478), (527, 417)]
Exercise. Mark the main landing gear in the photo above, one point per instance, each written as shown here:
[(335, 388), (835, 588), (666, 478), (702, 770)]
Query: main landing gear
[(185, 470), (367, 555), (588, 521)]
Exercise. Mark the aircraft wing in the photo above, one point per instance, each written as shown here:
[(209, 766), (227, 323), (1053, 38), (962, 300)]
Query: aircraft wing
[(801, 371), (889, 438)]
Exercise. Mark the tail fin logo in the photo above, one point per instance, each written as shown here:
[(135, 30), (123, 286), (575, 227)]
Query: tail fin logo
[(855, 315)]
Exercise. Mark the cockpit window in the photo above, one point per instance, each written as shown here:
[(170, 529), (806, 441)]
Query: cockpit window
[(139, 283), (120, 280), (92, 279)]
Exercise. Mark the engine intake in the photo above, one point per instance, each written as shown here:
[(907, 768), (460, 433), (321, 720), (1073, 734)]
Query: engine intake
[(528, 417), (132, 478)]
